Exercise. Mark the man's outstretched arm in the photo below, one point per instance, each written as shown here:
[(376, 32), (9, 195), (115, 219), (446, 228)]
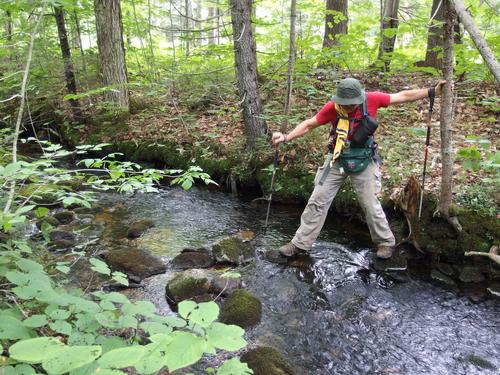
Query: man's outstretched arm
[(406, 96), (301, 129)]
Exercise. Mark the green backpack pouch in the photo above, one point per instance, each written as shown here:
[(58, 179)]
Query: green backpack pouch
[(356, 159)]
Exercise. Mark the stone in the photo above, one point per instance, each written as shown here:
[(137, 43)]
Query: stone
[(274, 256), (442, 278), (397, 262), (233, 250), (193, 259), (62, 235), (471, 274), (191, 284), (267, 361), (494, 290), (61, 244), (225, 285), (242, 309), (446, 268), (138, 228), (51, 220), (64, 216), (133, 261)]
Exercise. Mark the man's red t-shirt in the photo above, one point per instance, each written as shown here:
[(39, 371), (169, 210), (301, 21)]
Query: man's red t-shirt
[(375, 100)]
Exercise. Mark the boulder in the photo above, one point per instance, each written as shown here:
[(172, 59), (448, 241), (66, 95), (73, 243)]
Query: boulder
[(267, 361), (64, 216), (192, 284), (242, 309), (471, 274), (233, 250), (57, 234), (225, 285), (138, 228), (51, 220), (193, 259), (134, 262), (442, 278)]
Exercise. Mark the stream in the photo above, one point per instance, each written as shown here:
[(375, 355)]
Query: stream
[(331, 312)]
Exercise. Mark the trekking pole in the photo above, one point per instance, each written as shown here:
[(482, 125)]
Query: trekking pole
[(275, 167), (432, 94)]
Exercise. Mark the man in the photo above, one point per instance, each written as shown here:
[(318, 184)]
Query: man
[(349, 108)]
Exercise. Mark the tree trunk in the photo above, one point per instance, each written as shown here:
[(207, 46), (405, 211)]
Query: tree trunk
[(188, 12), (211, 33), (69, 71), (477, 38), (8, 26), (111, 51), (445, 198), (291, 63), (435, 37), (246, 71), (335, 22), (79, 36), (151, 44), (389, 25)]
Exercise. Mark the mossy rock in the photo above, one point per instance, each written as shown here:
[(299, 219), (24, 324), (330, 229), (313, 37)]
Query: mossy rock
[(267, 361), (64, 216), (193, 259), (139, 227), (471, 274), (233, 250), (134, 262), (242, 309), (40, 193), (190, 284)]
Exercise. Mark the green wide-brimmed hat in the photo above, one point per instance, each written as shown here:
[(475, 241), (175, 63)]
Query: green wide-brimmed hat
[(349, 91)]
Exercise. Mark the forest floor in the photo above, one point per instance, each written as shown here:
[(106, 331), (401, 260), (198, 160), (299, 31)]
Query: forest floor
[(211, 119)]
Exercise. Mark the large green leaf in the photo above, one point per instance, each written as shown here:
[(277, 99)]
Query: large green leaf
[(35, 321), (144, 308), (122, 357), (184, 350), (226, 337), (59, 314), (35, 350), (29, 265), (13, 329), (70, 358), (154, 327), (61, 326), (186, 307), (234, 367), (204, 314), (154, 356)]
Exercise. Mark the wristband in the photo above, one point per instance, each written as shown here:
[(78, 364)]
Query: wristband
[(284, 138)]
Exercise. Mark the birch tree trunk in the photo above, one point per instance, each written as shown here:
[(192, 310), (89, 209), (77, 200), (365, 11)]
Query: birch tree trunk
[(111, 51), (291, 63), (335, 22), (188, 12), (246, 71), (445, 198), (389, 31), (477, 38), (79, 36), (69, 71)]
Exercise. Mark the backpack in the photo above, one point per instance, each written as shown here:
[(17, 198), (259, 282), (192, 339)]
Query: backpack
[(360, 150)]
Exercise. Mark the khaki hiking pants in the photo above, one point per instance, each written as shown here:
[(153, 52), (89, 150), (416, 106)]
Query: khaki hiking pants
[(366, 184)]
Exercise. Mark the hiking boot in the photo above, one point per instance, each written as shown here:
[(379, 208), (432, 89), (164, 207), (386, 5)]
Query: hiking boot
[(289, 250), (385, 252)]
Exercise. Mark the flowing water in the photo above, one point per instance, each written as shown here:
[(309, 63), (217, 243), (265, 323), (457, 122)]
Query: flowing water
[(334, 314)]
